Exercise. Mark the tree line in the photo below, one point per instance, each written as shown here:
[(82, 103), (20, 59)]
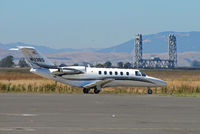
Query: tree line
[(8, 61), (195, 63), (108, 64)]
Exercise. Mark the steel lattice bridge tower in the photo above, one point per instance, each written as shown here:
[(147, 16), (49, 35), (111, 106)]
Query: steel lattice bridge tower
[(139, 62), (138, 51)]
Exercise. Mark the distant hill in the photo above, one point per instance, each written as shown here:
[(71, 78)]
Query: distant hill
[(186, 41), (126, 47), (158, 43), (152, 43), (41, 48)]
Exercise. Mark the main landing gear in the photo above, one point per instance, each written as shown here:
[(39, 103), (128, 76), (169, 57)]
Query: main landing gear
[(96, 91), (86, 90), (149, 91)]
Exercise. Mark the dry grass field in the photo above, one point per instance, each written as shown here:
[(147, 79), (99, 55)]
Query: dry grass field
[(180, 82)]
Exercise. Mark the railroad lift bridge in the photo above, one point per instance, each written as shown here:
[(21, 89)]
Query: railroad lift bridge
[(155, 62)]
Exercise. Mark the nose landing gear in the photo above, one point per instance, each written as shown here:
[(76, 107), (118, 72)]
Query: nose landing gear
[(149, 91)]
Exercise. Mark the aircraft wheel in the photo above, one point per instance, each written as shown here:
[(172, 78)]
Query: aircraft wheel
[(96, 91), (150, 91), (86, 91)]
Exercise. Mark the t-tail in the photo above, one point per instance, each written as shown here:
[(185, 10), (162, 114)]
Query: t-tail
[(34, 58)]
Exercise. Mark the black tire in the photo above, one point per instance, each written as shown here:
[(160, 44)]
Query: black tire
[(150, 91), (86, 91), (96, 91)]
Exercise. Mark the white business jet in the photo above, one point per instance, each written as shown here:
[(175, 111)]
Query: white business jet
[(87, 77)]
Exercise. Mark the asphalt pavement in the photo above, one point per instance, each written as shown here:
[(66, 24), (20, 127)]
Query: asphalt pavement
[(98, 114)]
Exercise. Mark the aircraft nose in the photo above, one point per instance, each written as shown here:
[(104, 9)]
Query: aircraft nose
[(161, 83), (158, 82)]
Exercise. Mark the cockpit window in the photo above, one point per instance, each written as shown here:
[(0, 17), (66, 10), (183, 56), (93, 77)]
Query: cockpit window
[(143, 74), (140, 73), (137, 73)]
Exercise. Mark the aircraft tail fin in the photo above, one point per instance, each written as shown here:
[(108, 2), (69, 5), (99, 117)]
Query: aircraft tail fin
[(34, 58)]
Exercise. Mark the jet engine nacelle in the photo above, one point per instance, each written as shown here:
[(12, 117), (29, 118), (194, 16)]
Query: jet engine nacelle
[(80, 68), (70, 70)]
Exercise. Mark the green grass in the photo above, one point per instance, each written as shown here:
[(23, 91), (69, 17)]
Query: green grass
[(180, 83), (60, 89)]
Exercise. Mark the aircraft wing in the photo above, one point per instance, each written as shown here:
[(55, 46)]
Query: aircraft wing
[(100, 83)]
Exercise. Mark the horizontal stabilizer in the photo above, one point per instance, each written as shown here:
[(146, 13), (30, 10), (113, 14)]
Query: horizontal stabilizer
[(34, 58), (14, 49)]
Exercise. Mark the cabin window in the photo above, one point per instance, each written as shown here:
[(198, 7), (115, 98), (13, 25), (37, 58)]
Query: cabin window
[(137, 73), (127, 73), (116, 73), (121, 73), (99, 72), (110, 72), (105, 72)]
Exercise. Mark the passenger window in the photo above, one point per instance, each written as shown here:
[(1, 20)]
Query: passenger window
[(137, 73), (127, 73), (99, 72), (116, 73), (121, 73), (105, 72), (110, 72)]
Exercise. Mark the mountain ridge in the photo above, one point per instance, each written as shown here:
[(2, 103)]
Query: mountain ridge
[(152, 43)]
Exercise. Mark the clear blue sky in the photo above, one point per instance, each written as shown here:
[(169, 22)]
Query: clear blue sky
[(92, 23)]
